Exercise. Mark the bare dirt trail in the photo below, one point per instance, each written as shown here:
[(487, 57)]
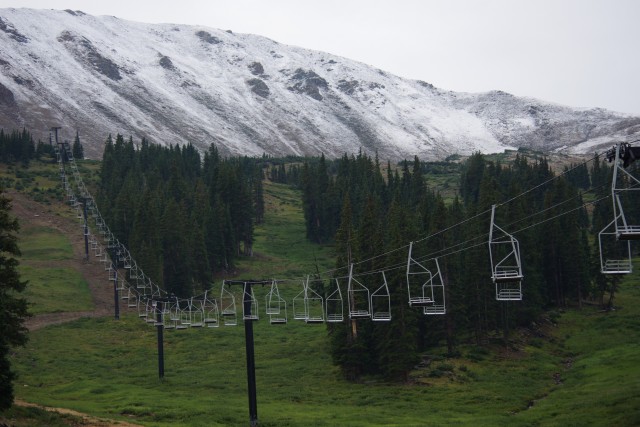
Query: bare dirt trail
[(84, 419), (33, 214)]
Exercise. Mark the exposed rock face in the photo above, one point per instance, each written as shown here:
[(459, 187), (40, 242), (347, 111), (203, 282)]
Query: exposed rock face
[(308, 83), (206, 37), (85, 52), (256, 68), (166, 63), (9, 29), (6, 96), (259, 87)]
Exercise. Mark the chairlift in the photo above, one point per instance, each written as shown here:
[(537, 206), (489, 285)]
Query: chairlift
[(419, 279), (249, 295), (615, 255), (622, 189), (122, 285), (334, 305), (506, 268), (276, 306), (358, 297), (228, 307), (380, 302), (196, 314), (314, 305), (143, 309), (210, 311), (171, 311), (299, 304), (132, 298), (151, 314), (156, 309), (437, 287), (113, 273), (183, 316)]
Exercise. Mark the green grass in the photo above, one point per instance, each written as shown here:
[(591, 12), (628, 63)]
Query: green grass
[(53, 289), (281, 248), (53, 285), (18, 416), (44, 243), (584, 372), (108, 369)]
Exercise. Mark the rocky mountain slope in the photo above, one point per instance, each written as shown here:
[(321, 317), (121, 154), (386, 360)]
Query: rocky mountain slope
[(251, 95)]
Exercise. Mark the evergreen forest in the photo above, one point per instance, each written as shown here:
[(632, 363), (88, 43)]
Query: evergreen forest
[(186, 218)]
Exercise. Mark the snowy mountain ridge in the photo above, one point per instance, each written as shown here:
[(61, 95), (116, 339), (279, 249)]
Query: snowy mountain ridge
[(251, 95)]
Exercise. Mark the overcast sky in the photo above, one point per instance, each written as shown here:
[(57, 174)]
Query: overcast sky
[(581, 53)]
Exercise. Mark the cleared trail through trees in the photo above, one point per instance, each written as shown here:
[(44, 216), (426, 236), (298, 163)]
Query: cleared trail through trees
[(33, 214)]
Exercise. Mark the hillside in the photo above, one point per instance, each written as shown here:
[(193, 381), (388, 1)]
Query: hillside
[(576, 367), (249, 95)]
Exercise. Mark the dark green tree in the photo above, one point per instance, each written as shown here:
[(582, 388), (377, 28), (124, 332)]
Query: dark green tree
[(13, 308), (77, 148)]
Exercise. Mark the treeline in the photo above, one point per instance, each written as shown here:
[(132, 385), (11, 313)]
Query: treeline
[(183, 217), (372, 216), (18, 146)]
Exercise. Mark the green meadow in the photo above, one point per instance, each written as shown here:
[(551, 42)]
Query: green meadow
[(576, 368)]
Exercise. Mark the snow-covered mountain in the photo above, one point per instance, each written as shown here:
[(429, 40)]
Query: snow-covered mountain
[(251, 95)]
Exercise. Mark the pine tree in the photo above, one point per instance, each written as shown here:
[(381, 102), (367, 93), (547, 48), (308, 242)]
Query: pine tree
[(77, 149), (13, 309)]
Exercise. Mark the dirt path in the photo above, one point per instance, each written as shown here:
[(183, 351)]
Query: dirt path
[(34, 214), (86, 420)]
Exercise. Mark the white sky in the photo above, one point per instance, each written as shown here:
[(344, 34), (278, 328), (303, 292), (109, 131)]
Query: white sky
[(581, 53)]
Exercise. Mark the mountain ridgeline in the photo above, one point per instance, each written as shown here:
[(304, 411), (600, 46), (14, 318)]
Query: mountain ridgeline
[(179, 84)]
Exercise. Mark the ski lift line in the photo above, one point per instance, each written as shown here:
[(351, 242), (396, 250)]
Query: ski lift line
[(547, 181), (328, 272), (561, 214), (551, 207), (452, 226), (91, 204)]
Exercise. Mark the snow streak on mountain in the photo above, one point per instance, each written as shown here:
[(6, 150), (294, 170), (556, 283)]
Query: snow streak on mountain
[(250, 95)]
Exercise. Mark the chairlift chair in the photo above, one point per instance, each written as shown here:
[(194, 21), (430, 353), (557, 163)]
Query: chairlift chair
[(308, 305), (182, 315), (228, 307), (299, 304), (334, 305), (437, 285), (210, 311), (113, 273), (358, 297), (143, 307), (506, 268), (276, 306), (122, 284), (314, 304), (380, 302), (151, 315), (196, 314), (419, 279), (132, 298), (622, 190), (615, 255), (167, 321), (249, 295)]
